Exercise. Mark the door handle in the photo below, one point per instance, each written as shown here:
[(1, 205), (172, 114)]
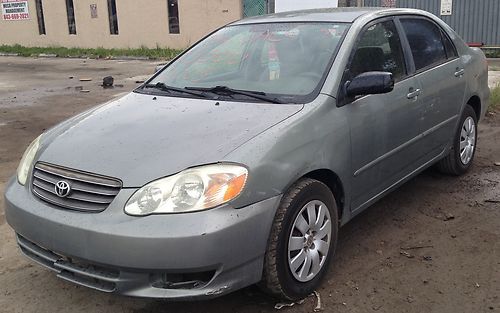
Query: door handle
[(413, 93), (459, 72)]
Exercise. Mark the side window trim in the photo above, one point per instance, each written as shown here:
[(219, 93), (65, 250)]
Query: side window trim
[(446, 37), (410, 64), (341, 98), (435, 64)]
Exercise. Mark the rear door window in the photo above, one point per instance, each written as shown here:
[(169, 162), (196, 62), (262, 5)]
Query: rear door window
[(426, 42)]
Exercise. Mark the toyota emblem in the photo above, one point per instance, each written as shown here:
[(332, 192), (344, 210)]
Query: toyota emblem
[(62, 188)]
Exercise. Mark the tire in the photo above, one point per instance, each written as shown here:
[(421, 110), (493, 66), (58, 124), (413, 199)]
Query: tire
[(453, 163), (278, 278)]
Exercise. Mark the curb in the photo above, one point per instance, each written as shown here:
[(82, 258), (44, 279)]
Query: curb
[(118, 58), (128, 58), (47, 55)]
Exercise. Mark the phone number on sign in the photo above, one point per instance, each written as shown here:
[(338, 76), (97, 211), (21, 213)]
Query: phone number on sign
[(16, 16)]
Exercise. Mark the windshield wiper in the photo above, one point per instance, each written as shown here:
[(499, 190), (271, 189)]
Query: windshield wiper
[(163, 87), (224, 90)]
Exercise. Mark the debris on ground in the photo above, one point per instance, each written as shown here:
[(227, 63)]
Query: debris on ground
[(85, 90), (78, 88), (139, 81), (107, 82), (477, 285), (281, 305), (160, 67), (406, 254), (492, 181), (85, 79), (492, 201), (318, 307), (497, 163), (71, 77), (417, 247), (448, 217), (427, 258)]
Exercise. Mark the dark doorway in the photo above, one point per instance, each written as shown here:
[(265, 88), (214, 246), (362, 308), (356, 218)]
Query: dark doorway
[(173, 17)]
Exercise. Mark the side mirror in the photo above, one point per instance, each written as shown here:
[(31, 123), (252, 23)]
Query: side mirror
[(370, 83)]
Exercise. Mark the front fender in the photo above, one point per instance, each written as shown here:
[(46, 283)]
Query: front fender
[(315, 138)]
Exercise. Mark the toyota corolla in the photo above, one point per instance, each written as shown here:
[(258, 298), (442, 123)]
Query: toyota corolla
[(237, 162)]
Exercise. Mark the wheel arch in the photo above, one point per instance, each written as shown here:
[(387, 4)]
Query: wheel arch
[(334, 183), (475, 103)]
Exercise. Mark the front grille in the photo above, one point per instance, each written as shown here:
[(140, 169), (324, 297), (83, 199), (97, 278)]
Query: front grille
[(88, 192)]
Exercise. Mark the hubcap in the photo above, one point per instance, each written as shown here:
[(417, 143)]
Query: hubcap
[(467, 140), (309, 241)]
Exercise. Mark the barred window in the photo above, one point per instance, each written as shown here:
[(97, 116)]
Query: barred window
[(70, 11), (40, 18), (173, 17), (113, 17)]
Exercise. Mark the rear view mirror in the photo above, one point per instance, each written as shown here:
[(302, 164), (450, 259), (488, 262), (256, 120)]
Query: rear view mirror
[(370, 83)]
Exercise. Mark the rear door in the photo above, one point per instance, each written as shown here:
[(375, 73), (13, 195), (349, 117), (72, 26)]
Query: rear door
[(383, 127), (440, 75)]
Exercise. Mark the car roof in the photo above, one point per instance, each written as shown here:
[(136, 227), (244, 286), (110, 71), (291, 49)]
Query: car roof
[(343, 15)]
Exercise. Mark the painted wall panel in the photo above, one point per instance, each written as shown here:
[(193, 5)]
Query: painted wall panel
[(475, 21)]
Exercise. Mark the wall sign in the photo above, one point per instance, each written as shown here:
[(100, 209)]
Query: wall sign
[(446, 7), (291, 5), (15, 10), (389, 3)]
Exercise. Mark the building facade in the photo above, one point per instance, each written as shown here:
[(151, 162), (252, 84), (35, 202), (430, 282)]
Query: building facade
[(113, 23), (180, 23)]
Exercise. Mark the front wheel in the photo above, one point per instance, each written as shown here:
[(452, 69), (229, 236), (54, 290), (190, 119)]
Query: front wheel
[(302, 241), (460, 158)]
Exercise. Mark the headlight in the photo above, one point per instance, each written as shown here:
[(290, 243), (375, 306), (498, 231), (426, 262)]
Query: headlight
[(194, 189), (27, 160)]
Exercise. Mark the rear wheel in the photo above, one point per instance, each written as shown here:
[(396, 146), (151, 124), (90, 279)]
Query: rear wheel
[(302, 241), (460, 158)]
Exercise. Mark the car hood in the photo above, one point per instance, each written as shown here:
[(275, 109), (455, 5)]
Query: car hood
[(140, 138)]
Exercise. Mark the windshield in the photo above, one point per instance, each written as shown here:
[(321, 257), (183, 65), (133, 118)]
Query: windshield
[(285, 60)]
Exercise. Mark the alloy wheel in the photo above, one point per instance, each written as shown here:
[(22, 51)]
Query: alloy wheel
[(467, 140), (309, 241)]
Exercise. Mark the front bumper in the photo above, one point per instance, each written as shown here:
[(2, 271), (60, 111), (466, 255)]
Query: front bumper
[(113, 252)]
